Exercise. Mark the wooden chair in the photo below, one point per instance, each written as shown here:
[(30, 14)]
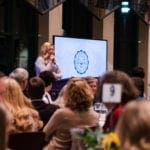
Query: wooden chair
[(26, 141)]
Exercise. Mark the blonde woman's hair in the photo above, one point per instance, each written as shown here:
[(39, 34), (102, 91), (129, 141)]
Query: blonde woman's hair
[(133, 127), (91, 79), (93, 83), (3, 127), (45, 47), (24, 117), (78, 95)]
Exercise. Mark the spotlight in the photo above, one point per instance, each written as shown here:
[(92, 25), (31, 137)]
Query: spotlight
[(125, 8)]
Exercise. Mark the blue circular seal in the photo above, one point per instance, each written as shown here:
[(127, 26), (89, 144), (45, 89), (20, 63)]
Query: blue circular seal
[(81, 62)]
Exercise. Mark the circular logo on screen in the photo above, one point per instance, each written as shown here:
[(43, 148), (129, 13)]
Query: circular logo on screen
[(81, 62)]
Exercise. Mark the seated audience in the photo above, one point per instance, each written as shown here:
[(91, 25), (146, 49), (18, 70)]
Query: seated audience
[(48, 78), (21, 75), (36, 89), (24, 117), (4, 123), (133, 127), (129, 92), (77, 113)]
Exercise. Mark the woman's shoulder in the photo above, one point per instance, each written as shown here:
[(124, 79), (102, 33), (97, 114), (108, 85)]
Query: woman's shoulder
[(39, 58), (93, 112), (63, 114), (68, 113), (64, 111)]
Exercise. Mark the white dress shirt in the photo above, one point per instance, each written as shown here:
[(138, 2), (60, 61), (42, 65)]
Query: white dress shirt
[(47, 98)]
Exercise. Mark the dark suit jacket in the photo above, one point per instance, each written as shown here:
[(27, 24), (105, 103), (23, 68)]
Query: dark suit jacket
[(45, 110)]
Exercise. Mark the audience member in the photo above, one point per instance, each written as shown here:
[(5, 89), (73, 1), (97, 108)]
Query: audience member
[(78, 98), (97, 105), (46, 61), (139, 83), (138, 72), (36, 89), (48, 78), (21, 75), (133, 127), (4, 123), (129, 92), (93, 83), (24, 117)]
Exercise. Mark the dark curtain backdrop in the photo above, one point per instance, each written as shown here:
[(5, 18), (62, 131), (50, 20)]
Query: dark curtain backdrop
[(126, 41), (77, 20), (18, 24)]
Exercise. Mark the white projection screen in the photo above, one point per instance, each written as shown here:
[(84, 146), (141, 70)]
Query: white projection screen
[(80, 57)]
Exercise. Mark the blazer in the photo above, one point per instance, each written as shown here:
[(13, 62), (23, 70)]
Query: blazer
[(45, 110)]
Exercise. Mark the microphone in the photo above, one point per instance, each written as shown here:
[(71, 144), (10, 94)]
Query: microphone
[(52, 58)]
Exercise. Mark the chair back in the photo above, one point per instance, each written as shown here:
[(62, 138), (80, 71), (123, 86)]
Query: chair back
[(26, 141)]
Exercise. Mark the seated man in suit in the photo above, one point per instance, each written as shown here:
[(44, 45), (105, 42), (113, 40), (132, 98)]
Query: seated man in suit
[(36, 89), (48, 78)]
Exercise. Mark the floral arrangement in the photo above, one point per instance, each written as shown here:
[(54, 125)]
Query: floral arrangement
[(97, 140), (110, 141)]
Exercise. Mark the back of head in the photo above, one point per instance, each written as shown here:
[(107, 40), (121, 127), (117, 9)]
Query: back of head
[(133, 127), (19, 74), (129, 90), (138, 72), (36, 88), (48, 77), (139, 83), (78, 95), (13, 94)]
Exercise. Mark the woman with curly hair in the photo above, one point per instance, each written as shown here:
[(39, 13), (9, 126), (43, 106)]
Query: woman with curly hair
[(23, 116), (77, 113), (133, 127), (129, 92)]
